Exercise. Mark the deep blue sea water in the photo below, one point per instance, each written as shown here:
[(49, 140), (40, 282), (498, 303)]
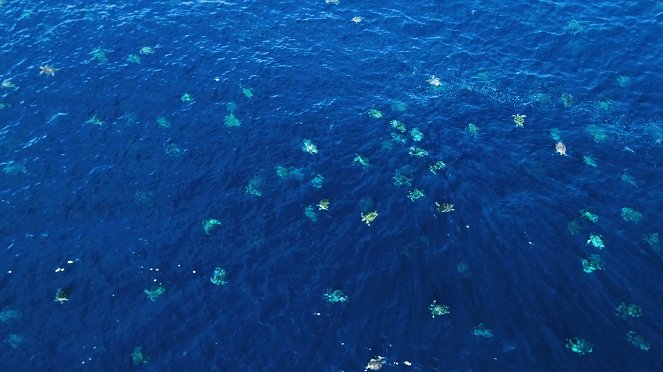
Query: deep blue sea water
[(108, 176)]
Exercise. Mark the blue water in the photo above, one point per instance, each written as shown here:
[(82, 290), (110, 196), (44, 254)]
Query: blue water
[(99, 199)]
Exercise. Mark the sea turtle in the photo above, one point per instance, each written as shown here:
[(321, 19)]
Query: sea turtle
[(369, 217), (309, 147), (47, 70), (323, 205), (375, 363), (61, 296), (560, 148), (519, 120)]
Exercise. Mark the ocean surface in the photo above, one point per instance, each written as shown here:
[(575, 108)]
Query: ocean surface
[(331, 186)]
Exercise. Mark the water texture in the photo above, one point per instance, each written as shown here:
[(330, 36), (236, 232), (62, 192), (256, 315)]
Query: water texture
[(146, 145)]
